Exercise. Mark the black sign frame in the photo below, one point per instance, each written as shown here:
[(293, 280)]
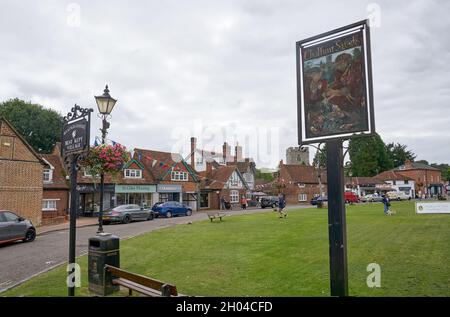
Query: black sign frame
[(81, 117), (362, 26)]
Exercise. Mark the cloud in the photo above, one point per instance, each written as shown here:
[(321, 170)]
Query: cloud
[(225, 64)]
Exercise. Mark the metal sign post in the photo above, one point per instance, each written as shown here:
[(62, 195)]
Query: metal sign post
[(337, 231), (74, 146), (335, 103)]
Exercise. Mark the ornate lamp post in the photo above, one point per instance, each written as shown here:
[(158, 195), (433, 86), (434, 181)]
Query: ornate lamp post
[(105, 104)]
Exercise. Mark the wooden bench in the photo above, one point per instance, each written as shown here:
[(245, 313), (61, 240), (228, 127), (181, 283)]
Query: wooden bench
[(141, 284), (215, 215)]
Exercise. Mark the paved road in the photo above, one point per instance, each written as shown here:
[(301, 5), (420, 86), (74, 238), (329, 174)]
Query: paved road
[(21, 261)]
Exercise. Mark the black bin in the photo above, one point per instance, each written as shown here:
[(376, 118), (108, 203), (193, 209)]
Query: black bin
[(103, 249)]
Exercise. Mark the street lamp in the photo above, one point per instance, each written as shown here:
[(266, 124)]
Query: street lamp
[(105, 104)]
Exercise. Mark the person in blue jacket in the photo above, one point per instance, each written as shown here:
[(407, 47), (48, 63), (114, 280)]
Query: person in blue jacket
[(281, 205), (386, 204)]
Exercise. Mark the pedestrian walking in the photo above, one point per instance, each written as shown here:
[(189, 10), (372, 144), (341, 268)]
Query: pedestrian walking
[(243, 202), (281, 205), (386, 204), (222, 203)]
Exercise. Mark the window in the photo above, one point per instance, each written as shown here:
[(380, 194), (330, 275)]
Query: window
[(10, 217), (49, 204), (87, 174), (394, 182), (132, 173), (302, 197), (234, 180), (179, 176), (406, 181), (48, 175), (234, 196)]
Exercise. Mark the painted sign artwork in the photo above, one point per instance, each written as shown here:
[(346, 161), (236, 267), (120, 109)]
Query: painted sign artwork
[(333, 93)]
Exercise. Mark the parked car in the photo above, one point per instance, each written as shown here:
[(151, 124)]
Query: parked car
[(371, 198), (318, 199), (171, 208), (269, 201), (14, 228), (127, 213), (351, 197), (398, 195)]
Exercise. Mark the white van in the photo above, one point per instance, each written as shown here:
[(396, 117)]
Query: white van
[(398, 196)]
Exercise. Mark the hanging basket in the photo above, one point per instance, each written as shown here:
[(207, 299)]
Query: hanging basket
[(106, 159)]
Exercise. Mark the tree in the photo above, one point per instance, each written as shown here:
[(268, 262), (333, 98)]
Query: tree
[(445, 170), (321, 157), (41, 127), (368, 156), (264, 175), (399, 154)]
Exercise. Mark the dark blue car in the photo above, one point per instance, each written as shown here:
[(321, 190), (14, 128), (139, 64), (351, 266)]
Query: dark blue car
[(316, 200), (171, 208)]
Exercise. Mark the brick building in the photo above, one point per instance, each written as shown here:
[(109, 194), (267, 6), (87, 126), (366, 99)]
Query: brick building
[(398, 181), (133, 185), (175, 178), (428, 180), (55, 200), (219, 181), (21, 170), (301, 182), (246, 165)]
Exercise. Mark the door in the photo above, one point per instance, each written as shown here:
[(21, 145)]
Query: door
[(135, 212), (175, 196), (4, 228), (17, 229)]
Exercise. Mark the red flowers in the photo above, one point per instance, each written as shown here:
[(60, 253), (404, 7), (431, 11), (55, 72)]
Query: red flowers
[(106, 158)]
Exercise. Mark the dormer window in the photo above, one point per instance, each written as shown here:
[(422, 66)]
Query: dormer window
[(48, 175), (133, 173), (179, 176)]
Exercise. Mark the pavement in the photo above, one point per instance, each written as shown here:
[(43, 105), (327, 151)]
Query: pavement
[(81, 222), (21, 261)]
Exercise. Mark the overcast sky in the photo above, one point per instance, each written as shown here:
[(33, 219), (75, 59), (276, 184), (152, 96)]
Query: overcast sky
[(210, 68)]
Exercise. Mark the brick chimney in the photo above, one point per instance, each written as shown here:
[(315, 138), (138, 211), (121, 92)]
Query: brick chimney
[(226, 152), (238, 153), (408, 164), (208, 169), (193, 147)]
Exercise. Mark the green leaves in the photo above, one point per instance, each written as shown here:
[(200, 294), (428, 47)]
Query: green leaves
[(41, 127), (369, 156)]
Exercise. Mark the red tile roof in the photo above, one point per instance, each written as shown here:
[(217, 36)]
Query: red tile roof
[(164, 161), (59, 175), (304, 174), (393, 176), (363, 180), (219, 177)]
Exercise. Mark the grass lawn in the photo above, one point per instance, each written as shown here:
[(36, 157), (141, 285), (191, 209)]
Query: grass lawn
[(262, 255)]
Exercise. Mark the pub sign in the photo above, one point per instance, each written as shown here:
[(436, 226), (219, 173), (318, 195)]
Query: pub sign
[(334, 85)]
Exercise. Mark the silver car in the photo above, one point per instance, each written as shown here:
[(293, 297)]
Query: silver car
[(14, 228), (127, 213)]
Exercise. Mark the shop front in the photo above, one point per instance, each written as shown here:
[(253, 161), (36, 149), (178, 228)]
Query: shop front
[(141, 195), (170, 192), (89, 198)]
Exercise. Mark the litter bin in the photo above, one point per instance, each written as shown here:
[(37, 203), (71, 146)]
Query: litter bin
[(103, 249)]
